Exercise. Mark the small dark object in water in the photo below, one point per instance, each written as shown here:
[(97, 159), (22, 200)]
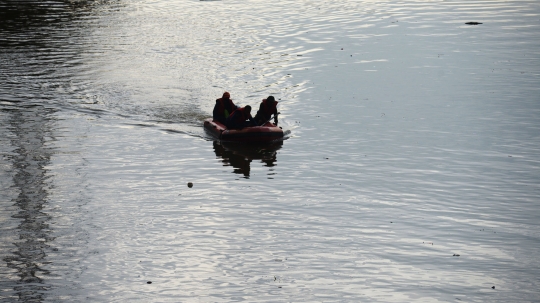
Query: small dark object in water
[(149, 282), (455, 255), (473, 23), (190, 185), (493, 287)]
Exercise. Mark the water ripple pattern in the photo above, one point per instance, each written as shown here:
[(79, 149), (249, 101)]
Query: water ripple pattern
[(410, 173)]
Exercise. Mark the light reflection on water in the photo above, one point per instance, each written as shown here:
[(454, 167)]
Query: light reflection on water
[(28, 228), (414, 137)]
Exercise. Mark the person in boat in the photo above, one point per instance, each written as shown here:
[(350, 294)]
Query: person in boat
[(237, 120), (223, 108), (267, 108)]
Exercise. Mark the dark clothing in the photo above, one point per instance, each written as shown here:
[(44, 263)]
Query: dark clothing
[(222, 110), (266, 110), (237, 120)]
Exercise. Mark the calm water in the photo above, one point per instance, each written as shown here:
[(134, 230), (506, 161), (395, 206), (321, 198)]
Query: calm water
[(411, 172)]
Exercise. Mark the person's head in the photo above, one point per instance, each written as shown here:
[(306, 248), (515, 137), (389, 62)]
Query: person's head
[(270, 99), (226, 95), (248, 109)]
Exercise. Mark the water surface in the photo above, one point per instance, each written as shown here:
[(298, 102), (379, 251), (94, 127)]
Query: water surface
[(410, 173)]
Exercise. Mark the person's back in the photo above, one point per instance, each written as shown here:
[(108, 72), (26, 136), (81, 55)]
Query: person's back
[(237, 120), (223, 108), (267, 108)]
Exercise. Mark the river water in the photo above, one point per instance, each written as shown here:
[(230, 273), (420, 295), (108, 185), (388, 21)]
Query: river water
[(410, 173)]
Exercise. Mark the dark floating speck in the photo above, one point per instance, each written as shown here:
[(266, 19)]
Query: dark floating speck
[(190, 185), (149, 282), (493, 287), (473, 23), (455, 255)]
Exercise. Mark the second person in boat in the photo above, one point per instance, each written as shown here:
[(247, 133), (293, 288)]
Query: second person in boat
[(237, 120), (267, 108)]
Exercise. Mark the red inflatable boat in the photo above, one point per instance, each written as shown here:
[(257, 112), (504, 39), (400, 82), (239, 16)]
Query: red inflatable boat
[(266, 133)]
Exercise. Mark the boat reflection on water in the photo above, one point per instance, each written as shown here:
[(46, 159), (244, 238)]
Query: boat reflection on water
[(239, 155)]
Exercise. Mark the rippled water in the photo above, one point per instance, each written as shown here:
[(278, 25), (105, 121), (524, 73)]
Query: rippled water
[(411, 173)]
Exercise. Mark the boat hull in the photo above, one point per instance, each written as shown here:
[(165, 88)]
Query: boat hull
[(266, 133)]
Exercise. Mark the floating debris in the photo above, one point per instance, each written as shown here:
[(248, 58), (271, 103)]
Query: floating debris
[(493, 287), (473, 23), (149, 282), (190, 185), (455, 255)]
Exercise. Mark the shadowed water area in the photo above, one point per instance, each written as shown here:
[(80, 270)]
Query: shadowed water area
[(410, 172)]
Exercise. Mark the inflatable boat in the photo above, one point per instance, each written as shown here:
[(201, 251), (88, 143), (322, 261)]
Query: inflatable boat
[(265, 133)]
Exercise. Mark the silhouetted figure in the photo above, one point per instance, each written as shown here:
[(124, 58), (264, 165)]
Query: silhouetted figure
[(267, 108), (238, 119), (223, 108)]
